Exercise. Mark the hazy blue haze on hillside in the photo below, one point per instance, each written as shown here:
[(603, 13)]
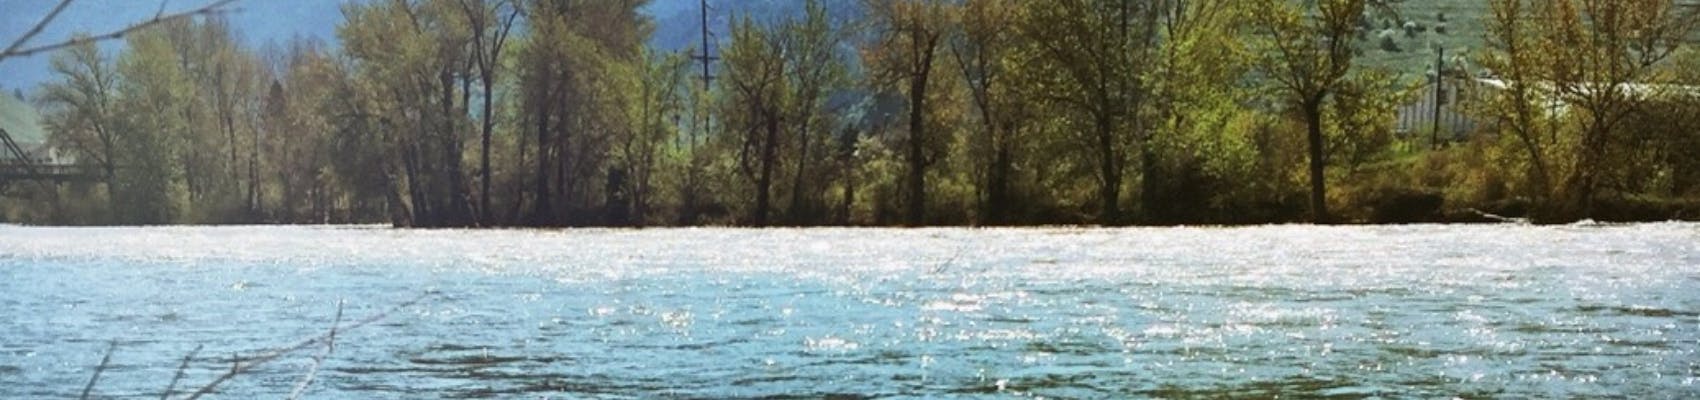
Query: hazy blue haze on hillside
[(679, 22)]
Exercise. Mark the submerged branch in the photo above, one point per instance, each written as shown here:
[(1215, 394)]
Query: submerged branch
[(99, 368), (330, 345), (237, 366), (179, 376)]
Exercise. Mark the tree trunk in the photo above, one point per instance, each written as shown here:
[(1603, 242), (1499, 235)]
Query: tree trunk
[(423, 213), (514, 213), (688, 206), (254, 178), (849, 195), (764, 179), (997, 198), (797, 190), (565, 200), (1543, 181), (916, 184), (484, 205), (542, 213), (1149, 185), (1318, 186), (457, 211), (1109, 192), (637, 184), (1583, 180)]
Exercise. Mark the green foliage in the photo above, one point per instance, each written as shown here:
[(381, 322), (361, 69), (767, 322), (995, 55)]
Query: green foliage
[(976, 112)]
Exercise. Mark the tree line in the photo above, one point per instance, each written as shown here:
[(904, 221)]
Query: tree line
[(462, 113)]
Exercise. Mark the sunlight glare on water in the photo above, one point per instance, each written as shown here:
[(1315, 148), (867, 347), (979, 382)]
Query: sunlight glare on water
[(1418, 311)]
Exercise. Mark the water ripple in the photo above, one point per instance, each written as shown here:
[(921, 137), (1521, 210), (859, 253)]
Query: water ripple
[(1328, 312)]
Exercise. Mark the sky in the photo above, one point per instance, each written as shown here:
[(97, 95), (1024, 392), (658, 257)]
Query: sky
[(258, 21)]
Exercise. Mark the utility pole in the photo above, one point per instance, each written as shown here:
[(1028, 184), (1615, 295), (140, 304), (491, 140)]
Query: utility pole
[(1439, 93), (706, 57), (688, 214)]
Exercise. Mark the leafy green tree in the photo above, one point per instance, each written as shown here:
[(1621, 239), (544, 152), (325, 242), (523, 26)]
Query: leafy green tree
[(80, 110), (575, 64), (1092, 52), (984, 51), (1517, 108), (658, 102), (1205, 157), (1607, 54), (755, 90), (491, 22), (815, 71), (155, 91), (1309, 55), (1604, 62), (910, 35)]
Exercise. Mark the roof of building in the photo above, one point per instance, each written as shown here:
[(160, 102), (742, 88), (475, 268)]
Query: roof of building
[(21, 120), (1640, 89)]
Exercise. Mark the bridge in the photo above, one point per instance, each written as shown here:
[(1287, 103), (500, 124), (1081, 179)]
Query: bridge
[(19, 165), (10, 170)]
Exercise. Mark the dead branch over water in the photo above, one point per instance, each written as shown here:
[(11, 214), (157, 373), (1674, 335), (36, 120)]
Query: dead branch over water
[(240, 365)]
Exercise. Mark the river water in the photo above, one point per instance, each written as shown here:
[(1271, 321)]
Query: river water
[(1344, 312)]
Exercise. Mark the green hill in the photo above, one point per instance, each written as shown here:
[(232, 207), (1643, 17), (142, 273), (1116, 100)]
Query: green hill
[(1455, 24), (1406, 39)]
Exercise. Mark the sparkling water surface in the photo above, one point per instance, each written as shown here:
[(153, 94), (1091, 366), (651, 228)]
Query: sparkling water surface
[(1298, 311)]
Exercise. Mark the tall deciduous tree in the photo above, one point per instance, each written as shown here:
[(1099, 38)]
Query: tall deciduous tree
[(491, 22), (155, 92), (1606, 55), (80, 109), (815, 70), (1603, 61), (984, 49), (1310, 52), (1515, 57), (1091, 55), (655, 108), (910, 37), (755, 96)]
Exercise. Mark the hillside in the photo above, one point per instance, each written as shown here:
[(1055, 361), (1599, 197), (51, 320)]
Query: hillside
[(1455, 24), (1409, 47)]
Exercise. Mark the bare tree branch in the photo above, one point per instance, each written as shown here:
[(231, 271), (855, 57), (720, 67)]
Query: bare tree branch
[(98, 369), (237, 367), (15, 49), (179, 376), (330, 345), (38, 27)]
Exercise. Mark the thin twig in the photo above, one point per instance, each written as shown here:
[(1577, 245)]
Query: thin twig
[(330, 345), (238, 368), (13, 51), (179, 376), (98, 368)]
